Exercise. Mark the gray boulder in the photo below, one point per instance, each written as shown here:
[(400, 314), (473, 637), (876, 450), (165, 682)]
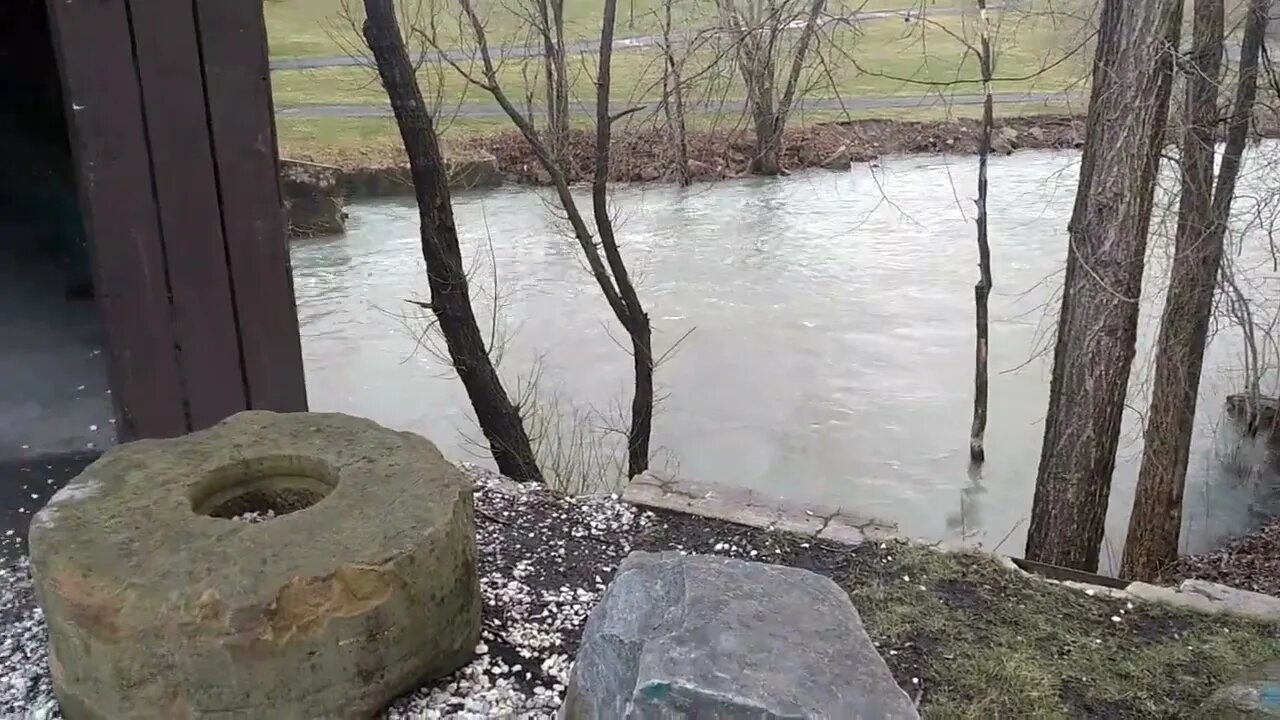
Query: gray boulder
[(700, 636)]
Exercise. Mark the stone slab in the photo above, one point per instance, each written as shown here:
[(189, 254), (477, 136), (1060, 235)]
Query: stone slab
[(1208, 597), (697, 636), (743, 507)]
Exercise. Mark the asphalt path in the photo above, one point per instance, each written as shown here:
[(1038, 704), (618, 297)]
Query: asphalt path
[(851, 104)]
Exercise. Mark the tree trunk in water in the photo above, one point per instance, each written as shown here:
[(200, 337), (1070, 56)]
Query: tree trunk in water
[(1097, 328), (631, 312), (757, 74), (982, 289), (450, 298), (1156, 521)]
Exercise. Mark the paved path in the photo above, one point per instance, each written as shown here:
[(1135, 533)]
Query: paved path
[(635, 42), (852, 104)]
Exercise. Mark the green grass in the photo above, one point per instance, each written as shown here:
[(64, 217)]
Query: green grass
[(1036, 52), (311, 28), (885, 57), (989, 643)]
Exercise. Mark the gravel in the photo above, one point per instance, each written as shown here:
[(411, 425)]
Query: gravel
[(544, 560)]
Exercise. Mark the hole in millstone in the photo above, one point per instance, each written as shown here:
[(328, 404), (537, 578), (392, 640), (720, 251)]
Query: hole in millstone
[(263, 488)]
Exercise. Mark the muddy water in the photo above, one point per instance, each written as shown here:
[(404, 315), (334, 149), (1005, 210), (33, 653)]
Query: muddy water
[(828, 336)]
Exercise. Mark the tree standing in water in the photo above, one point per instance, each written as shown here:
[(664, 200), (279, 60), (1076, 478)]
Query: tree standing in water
[(1203, 212), (1107, 240)]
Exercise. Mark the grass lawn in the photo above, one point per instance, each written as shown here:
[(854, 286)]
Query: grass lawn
[(1036, 52), (883, 57), (313, 28)]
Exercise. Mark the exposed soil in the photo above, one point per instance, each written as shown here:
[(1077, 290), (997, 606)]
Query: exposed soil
[(647, 156), (1249, 562), (963, 635)]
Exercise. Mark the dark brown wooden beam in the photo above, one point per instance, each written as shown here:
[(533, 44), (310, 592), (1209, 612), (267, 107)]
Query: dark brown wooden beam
[(168, 60), (104, 112), (233, 45)]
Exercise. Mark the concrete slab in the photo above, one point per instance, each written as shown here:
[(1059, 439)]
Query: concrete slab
[(665, 492), (53, 382)]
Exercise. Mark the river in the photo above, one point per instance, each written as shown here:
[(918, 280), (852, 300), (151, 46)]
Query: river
[(828, 336)]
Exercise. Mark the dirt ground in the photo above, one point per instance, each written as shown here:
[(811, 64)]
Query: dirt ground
[(646, 156)]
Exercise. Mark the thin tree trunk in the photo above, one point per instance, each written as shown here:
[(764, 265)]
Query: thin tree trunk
[(1107, 234), (635, 321), (446, 275), (1156, 521), (982, 289), (673, 91), (551, 17), (609, 271)]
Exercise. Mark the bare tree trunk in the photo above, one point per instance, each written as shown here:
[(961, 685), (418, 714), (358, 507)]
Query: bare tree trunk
[(673, 103), (1203, 212), (982, 289), (446, 275), (636, 321), (757, 61), (609, 271), (555, 67), (1097, 329)]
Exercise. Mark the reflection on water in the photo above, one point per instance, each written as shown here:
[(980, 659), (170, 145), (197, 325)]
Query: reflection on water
[(832, 335)]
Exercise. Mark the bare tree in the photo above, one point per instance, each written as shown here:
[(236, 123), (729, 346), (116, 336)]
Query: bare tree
[(549, 23), (982, 289), (499, 419), (1107, 236), (600, 248), (1203, 213), (673, 98), (756, 28)]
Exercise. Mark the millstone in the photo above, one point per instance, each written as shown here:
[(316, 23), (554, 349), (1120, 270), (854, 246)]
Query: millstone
[(359, 584)]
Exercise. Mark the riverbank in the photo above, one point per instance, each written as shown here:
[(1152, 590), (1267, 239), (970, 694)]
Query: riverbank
[(963, 635), (1248, 562), (378, 167)]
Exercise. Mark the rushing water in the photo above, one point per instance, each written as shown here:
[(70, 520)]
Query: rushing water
[(829, 348)]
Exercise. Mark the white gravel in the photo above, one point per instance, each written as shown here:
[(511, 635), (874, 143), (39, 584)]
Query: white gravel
[(543, 562)]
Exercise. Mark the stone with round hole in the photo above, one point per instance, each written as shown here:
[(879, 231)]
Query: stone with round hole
[(353, 583)]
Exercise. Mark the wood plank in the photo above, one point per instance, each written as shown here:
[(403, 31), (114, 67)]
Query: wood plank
[(238, 90), (102, 99), (168, 61)]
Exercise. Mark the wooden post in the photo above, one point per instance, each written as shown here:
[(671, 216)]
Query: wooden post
[(169, 108)]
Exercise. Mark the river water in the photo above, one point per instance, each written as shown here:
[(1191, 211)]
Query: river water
[(828, 336)]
